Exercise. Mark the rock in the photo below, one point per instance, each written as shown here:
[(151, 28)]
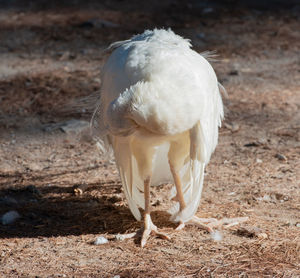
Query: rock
[(281, 157), (10, 217)]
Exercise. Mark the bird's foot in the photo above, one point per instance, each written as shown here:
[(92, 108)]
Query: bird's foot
[(150, 229), (209, 224)]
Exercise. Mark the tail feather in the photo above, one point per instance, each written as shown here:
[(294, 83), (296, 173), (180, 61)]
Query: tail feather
[(131, 181)]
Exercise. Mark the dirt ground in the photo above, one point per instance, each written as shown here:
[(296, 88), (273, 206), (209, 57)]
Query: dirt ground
[(51, 55)]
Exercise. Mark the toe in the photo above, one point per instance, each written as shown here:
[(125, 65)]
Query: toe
[(162, 235), (153, 232), (145, 237), (180, 226)]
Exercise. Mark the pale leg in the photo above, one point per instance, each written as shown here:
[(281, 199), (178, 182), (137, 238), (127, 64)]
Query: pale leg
[(179, 195), (143, 150), (149, 227), (207, 224)]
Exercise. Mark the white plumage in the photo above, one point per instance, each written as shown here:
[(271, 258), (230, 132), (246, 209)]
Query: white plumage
[(160, 109)]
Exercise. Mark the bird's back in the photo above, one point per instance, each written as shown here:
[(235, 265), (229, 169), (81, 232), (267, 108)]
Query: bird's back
[(156, 82)]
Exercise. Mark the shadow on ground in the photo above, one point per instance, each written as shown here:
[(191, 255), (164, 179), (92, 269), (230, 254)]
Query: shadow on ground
[(57, 211)]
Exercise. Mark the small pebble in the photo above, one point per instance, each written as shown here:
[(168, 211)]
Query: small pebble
[(231, 193), (100, 240), (281, 157), (119, 237), (10, 217), (298, 225)]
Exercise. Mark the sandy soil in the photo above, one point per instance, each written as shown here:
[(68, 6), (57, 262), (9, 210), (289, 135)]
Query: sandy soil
[(51, 56)]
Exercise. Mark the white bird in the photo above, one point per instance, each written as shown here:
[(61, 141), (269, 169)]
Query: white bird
[(160, 109)]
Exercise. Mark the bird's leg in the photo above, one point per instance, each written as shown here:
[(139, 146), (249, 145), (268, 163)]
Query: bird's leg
[(179, 195), (149, 227), (200, 222), (208, 224)]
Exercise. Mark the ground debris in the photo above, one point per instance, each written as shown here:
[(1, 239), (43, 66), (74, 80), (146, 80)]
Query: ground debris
[(273, 197), (97, 23), (80, 189), (252, 144), (251, 232), (233, 127), (281, 157), (260, 142)]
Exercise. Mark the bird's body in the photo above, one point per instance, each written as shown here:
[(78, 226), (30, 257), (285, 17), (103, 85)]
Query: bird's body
[(160, 109)]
